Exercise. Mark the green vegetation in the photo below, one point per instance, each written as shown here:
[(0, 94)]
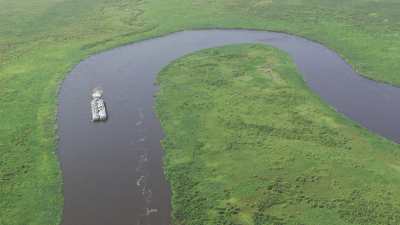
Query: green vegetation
[(41, 40), (248, 143)]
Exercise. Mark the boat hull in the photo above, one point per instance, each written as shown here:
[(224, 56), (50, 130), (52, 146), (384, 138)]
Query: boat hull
[(99, 112)]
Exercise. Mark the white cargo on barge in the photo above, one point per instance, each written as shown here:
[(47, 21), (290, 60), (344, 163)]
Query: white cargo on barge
[(99, 111)]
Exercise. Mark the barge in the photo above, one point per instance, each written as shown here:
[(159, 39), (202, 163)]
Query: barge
[(99, 111)]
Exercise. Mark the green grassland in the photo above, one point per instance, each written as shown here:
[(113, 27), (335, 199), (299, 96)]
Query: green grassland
[(41, 40), (248, 143)]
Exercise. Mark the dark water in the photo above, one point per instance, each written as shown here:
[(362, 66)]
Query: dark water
[(113, 171)]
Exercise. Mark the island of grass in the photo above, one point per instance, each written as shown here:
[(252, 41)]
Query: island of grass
[(248, 143)]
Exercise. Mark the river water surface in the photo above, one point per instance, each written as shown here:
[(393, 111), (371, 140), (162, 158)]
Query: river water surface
[(113, 173)]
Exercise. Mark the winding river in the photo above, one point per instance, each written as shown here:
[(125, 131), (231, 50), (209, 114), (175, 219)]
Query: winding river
[(113, 172)]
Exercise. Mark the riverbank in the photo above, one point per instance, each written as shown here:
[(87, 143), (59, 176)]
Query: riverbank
[(248, 143)]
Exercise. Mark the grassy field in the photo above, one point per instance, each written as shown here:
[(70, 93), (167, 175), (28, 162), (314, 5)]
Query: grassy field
[(248, 143), (41, 40)]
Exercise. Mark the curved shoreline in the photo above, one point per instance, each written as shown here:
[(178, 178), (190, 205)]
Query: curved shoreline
[(121, 161)]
